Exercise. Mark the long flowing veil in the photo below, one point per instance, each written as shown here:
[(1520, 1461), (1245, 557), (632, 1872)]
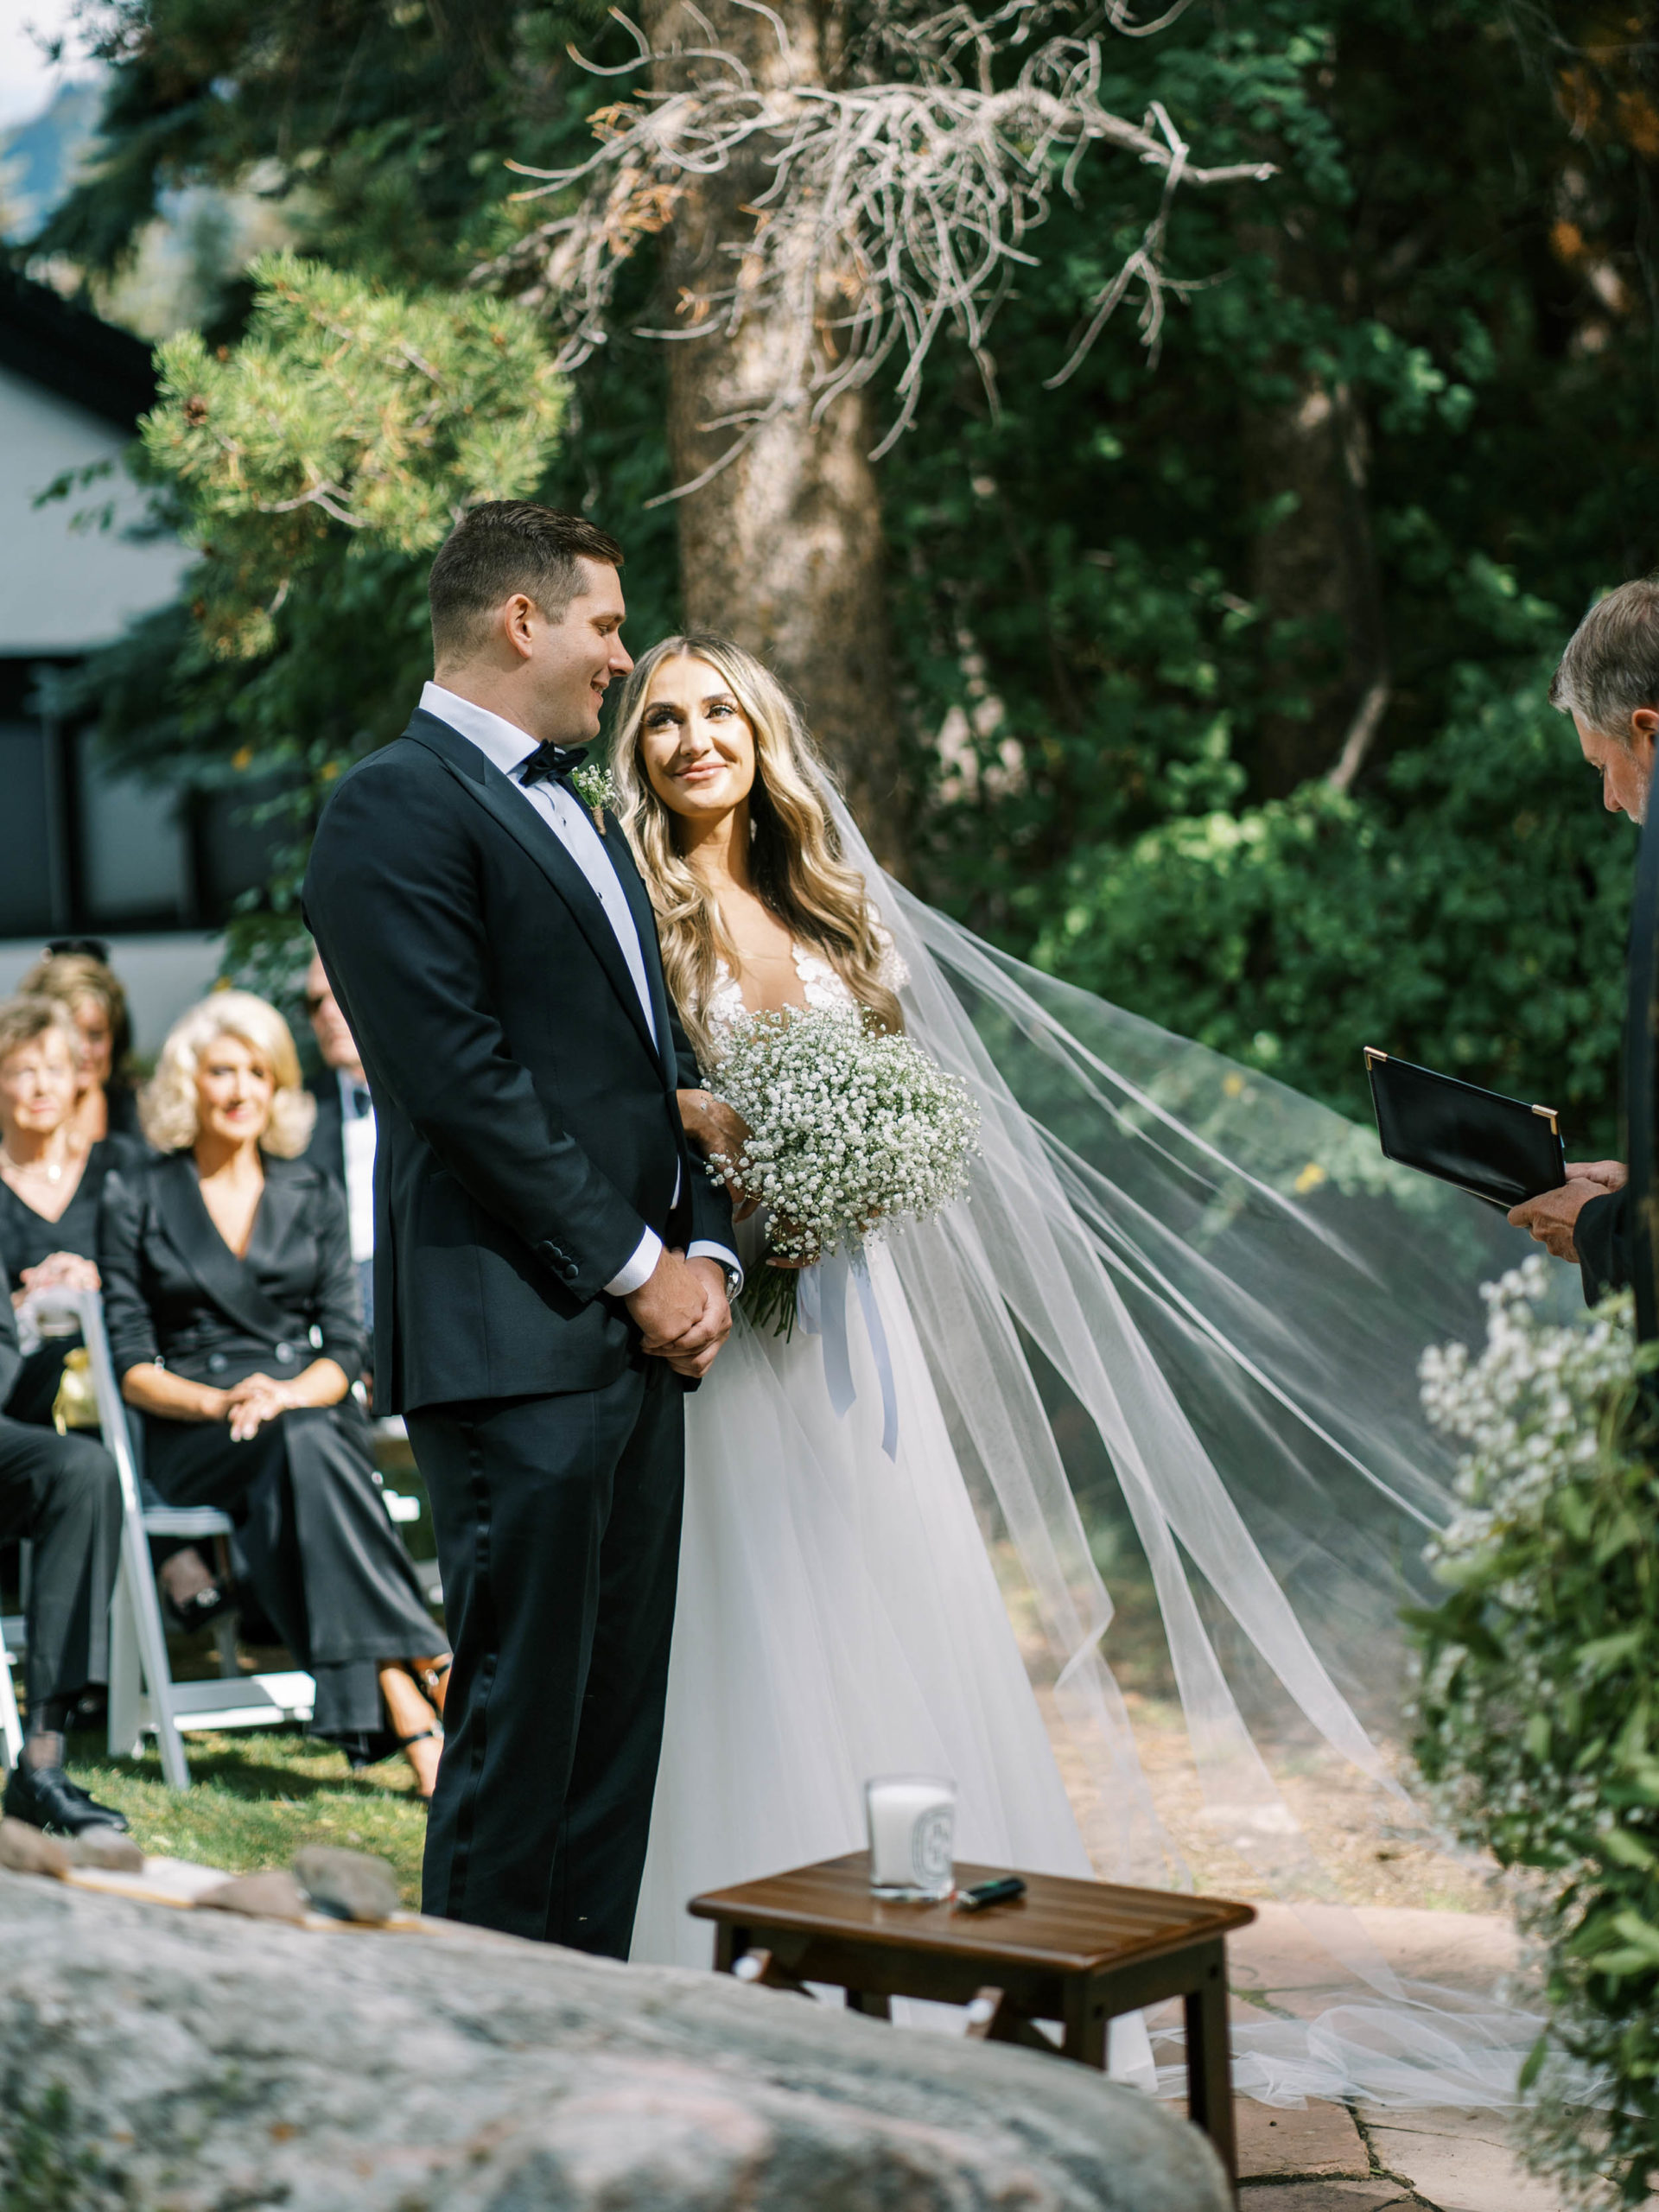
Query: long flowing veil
[(1176, 1332)]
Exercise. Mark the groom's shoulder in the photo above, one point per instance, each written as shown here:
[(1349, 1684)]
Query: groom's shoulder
[(421, 759)]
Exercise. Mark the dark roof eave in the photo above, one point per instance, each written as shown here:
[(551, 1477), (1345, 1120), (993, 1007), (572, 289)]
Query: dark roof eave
[(73, 353)]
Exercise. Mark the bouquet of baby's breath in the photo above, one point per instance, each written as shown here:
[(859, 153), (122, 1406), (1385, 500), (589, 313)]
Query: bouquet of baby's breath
[(1537, 1712), (851, 1131)]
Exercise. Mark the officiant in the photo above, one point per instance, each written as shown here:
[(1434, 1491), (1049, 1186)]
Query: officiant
[(1608, 681)]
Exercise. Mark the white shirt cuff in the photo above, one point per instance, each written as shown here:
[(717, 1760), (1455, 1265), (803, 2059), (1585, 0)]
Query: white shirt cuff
[(640, 1268), (702, 1250)]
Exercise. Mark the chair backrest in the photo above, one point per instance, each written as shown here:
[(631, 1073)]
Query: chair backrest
[(87, 1306)]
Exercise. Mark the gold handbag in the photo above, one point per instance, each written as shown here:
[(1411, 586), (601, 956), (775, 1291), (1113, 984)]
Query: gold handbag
[(75, 1405)]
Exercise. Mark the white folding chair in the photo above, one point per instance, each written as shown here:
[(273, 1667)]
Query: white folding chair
[(144, 1697), (11, 1727)]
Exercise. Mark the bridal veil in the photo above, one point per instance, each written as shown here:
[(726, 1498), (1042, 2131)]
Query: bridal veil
[(1176, 1332)]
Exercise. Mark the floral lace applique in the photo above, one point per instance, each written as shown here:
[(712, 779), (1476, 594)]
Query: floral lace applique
[(821, 986)]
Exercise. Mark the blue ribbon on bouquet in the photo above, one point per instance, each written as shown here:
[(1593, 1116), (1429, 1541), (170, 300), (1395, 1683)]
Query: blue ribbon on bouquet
[(821, 1308)]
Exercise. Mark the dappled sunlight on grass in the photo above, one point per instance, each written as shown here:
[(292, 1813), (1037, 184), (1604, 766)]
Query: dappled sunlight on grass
[(258, 1796)]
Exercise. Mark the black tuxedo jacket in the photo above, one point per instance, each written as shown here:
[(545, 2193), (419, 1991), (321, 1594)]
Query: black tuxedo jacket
[(527, 1131), (326, 1150), (1602, 1238)]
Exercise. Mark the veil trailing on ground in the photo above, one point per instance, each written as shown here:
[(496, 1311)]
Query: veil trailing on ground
[(1176, 1333)]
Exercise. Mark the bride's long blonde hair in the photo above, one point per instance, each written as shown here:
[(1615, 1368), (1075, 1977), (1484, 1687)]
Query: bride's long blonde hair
[(795, 858)]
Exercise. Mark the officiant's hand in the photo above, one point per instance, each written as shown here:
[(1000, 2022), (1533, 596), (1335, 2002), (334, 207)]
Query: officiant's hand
[(683, 1314), (1553, 1215)]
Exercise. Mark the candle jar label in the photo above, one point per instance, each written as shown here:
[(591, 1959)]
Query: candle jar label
[(912, 1829)]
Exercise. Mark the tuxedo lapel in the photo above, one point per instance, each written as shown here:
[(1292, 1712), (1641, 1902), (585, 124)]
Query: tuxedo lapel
[(644, 921), (226, 1279), (483, 781)]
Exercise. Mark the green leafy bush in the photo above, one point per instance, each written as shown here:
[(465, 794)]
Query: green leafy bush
[(1537, 1711)]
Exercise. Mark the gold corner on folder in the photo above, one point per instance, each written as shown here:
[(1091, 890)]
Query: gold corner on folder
[(1547, 1114), (1372, 1055)]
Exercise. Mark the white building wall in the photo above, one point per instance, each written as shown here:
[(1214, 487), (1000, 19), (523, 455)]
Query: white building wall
[(64, 589)]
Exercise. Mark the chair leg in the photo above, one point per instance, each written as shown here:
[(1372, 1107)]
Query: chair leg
[(11, 1727)]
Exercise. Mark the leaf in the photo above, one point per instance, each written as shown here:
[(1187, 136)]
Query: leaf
[(1629, 1849), (1535, 2063)]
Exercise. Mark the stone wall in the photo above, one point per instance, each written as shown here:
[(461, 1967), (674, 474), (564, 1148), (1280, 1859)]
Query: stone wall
[(155, 2061)]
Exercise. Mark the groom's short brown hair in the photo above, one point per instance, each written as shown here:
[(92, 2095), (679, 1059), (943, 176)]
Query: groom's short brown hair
[(504, 546)]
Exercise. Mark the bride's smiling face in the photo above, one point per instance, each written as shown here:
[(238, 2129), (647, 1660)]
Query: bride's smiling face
[(696, 744)]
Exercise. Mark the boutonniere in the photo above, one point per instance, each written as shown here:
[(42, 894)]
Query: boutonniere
[(598, 790)]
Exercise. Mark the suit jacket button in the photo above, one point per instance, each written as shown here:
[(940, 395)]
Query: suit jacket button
[(571, 1271), (285, 1353), (217, 1363)]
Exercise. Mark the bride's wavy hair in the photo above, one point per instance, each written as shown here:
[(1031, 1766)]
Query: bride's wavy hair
[(795, 857)]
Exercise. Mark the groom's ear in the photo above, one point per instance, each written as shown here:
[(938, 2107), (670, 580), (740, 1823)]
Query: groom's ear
[(517, 618)]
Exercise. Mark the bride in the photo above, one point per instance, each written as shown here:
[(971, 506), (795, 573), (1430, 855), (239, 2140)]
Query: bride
[(1175, 1332)]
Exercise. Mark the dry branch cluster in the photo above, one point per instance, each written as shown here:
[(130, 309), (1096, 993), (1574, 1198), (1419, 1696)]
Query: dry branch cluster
[(882, 211)]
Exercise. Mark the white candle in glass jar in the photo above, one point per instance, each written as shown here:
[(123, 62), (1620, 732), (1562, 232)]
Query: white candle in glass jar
[(912, 1820)]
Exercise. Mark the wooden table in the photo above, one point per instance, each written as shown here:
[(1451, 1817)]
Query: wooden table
[(1078, 1953)]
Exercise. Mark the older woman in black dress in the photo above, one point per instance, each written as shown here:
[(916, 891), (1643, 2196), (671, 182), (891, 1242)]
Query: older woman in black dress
[(236, 1326), (51, 1180)]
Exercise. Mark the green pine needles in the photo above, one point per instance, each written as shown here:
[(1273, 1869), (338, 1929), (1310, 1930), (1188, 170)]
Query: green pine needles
[(347, 408), (1538, 1714)]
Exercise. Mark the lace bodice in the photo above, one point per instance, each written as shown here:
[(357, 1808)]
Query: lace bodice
[(821, 986)]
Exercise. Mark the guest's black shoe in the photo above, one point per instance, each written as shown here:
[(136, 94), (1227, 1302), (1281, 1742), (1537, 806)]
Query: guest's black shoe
[(46, 1798), (199, 1611)]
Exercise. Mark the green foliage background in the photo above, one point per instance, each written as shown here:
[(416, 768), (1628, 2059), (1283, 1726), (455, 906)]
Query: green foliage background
[(1465, 192)]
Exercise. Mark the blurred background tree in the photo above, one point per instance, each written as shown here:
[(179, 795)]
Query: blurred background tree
[(1219, 686)]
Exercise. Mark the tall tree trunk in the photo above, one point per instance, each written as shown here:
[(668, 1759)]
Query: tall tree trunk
[(782, 550), (1313, 570)]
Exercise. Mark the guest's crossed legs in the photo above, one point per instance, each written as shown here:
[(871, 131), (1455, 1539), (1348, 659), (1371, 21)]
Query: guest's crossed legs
[(558, 1529)]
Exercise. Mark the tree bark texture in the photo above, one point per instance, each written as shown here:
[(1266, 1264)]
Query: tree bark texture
[(1313, 570), (782, 550)]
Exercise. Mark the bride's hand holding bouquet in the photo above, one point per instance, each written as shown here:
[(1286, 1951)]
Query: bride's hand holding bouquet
[(840, 1130)]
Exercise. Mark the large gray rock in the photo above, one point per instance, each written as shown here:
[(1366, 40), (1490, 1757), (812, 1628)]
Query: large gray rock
[(154, 2061)]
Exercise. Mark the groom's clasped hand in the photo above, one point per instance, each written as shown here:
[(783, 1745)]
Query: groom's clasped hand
[(682, 1313)]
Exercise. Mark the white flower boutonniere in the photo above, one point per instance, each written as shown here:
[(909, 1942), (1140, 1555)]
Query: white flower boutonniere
[(598, 790)]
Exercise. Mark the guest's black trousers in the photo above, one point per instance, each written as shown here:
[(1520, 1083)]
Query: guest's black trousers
[(558, 1529), (62, 1492)]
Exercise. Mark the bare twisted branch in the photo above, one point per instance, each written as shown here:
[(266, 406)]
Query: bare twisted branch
[(886, 212)]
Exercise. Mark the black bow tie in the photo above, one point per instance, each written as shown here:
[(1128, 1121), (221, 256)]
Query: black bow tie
[(555, 761)]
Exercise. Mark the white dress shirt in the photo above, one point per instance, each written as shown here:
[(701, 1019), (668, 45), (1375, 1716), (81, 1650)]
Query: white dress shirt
[(356, 1143), (509, 747)]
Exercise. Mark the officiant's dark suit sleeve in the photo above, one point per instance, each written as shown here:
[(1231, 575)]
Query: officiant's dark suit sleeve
[(1601, 1237), (526, 1129)]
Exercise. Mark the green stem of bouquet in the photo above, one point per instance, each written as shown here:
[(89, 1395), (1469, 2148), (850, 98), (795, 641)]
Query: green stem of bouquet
[(771, 1298)]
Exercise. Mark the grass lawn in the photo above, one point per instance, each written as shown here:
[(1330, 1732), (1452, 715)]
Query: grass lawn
[(256, 1796)]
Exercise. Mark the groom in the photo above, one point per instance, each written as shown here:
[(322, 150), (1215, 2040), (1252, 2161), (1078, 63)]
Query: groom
[(551, 1269)]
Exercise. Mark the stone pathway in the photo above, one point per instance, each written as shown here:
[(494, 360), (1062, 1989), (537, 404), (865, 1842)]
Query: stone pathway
[(1328, 2158)]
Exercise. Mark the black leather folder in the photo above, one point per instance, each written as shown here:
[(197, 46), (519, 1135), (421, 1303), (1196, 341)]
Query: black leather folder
[(1496, 1147)]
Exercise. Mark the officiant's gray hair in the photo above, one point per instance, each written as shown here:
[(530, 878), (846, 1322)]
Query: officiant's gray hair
[(1610, 666), (504, 546), (796, 860)]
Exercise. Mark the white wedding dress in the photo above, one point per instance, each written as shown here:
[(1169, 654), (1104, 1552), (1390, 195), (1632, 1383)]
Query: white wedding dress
[(838, 1616), (1171, 1341)]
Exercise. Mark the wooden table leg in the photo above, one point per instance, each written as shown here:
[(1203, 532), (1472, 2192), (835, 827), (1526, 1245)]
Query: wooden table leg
[(874, 2008), (730, 1944), (1209, 2058), (1086, 2023)]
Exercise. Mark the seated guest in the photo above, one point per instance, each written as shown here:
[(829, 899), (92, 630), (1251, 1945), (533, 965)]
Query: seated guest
[(76, 973), (62, 1493), (234, 1320), (342, 1142), (50, 1180)]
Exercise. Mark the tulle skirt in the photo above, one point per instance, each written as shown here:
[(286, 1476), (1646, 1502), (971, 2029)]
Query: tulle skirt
[(838, 1618)]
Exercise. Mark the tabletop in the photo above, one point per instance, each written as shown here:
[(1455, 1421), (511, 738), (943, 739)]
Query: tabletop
[(1061, 1925)]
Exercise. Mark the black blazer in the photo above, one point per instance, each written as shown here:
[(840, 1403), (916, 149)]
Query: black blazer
[(326, 1150), (1601, 1236), (11, 1359), (174, 1291), (527, 1132)]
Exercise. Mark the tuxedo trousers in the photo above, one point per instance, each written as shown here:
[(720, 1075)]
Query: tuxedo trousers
[(557, 1520)]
